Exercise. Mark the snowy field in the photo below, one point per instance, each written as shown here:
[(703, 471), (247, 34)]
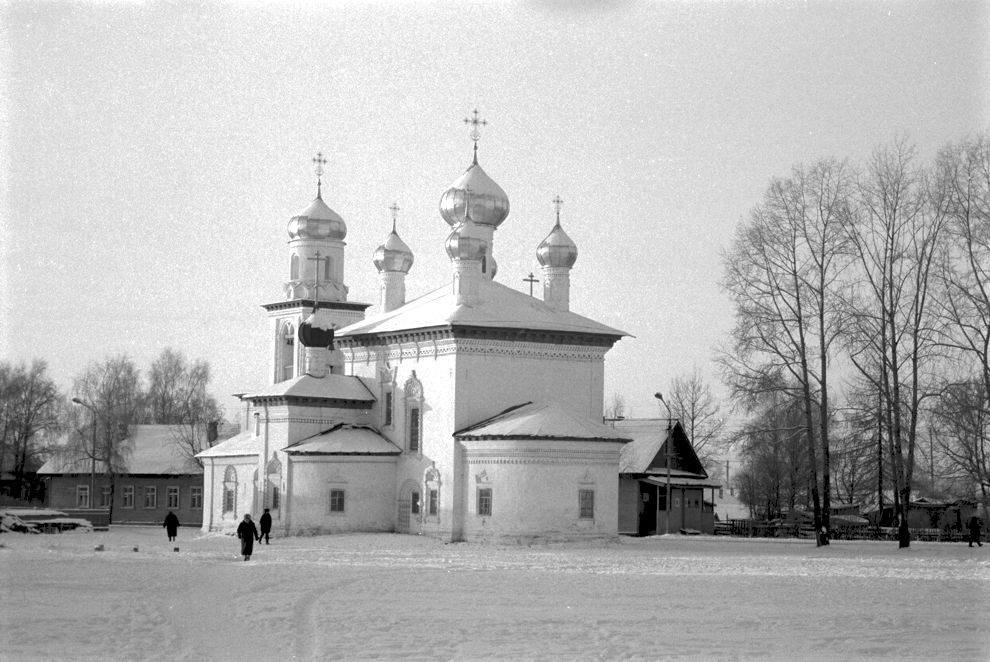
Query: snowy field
[(404, 597)]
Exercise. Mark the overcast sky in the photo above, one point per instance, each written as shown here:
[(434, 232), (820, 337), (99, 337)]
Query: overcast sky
[(154, 153)]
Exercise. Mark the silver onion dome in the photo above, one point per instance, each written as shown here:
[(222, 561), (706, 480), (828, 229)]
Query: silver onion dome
[(317, 221), (393, 255), (557, 250), (489, 203), (466, 242)]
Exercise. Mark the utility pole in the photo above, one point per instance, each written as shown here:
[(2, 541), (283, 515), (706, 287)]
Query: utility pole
[(659, 396)]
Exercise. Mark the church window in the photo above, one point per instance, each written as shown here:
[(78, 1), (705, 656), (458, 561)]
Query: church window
[(326, 268), (127, 496), (172, 497), (229, 490), (586, 504), (276, 498), (196, 498), (414, 429), (388, 408), (484, 502), (336, 500), (82, 496), (414, 503), (150, 497), (294, 268), (286, 353), (434, 498)]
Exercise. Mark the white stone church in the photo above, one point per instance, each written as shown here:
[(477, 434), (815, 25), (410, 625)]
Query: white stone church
[(473, 412)]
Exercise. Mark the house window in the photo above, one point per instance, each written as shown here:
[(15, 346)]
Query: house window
[(434, 498), (172, 497), (127, 496), (414, 430), (388, 408), (105, 496), (229, 490), (196, 498), (336, 500), (484, 502), (82, 496), (151, 497), (586, 504), (414, 503)]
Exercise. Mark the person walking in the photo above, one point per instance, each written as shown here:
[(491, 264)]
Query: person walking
[(171, 525), (974, 531), (247, 532), (266, 526)]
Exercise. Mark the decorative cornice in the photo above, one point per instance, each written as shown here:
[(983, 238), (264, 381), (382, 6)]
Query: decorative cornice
[(289, 400), (550, 337), (427, 347), (309, 304)]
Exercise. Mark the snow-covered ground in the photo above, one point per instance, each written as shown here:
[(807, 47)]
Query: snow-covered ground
[(411, 598)]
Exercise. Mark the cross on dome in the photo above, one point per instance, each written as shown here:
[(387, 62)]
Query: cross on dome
[(557, 203), (319, 161), (475, 122), (395, 212)]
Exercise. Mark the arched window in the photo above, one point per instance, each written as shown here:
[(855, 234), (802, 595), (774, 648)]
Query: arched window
[(326, 269), (386, 379), (273, 495), (294, 268), (414, 414), (431, 479), (286, 360), (229, 491)]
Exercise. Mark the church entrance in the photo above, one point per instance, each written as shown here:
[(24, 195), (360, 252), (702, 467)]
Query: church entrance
[(410, 515)]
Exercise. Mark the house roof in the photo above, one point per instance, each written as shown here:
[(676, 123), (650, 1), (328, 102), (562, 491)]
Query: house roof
[(345, 439), (245, 443), (498, 307), (647, 454), (547, 420), (330, 387), (149, 450)]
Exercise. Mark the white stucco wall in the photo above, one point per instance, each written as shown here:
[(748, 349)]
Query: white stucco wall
[(214, 518)]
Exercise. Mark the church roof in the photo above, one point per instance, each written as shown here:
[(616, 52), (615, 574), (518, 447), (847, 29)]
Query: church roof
[(148, 450), (345, 439), (647, 454), (330, 387), (500, 307), (245, 443), (540, 421)]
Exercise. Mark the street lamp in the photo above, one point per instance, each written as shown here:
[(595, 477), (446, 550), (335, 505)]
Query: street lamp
[(659, 396), (92, 468)]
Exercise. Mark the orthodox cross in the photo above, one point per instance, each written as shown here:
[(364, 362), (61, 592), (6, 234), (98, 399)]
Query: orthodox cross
[(532, 281), (558, 203), (395, 212), (316, 284), (475, 133), (320, 161)]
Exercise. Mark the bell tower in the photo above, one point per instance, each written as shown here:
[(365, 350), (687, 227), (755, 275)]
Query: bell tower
[(315, 270)]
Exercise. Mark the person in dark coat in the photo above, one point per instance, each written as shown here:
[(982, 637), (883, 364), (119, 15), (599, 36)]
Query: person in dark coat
[(247, 532), (266, 526), (974, 531), (171, 525)]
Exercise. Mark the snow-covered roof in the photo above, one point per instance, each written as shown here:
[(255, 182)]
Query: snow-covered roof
[(643, 455), (345, 439), (547, 420), (150, 449), (245, 443), (330, 387), (498, 307)]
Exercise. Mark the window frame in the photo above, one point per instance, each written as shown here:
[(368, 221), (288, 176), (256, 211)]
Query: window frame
[(585, 510), (414, 428), (484, 502), (196, 497), (150, 495), (82, 496), (338, 501), (170, 492), (127, 496)]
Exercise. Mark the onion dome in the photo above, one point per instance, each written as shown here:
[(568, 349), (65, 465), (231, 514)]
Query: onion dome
[(317, 330), (393, 255), (492, 266), (557, 250), (466, 242), (317, 221), (489, 203)]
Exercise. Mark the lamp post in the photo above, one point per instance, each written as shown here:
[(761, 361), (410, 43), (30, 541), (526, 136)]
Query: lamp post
[(659, 396), (92, 467)]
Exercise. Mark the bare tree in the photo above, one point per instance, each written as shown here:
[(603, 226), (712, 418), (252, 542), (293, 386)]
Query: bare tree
[(111, 392), (177, 395), (29, 405), (782, 272), (698, 410), (616, 408), (895, 228)]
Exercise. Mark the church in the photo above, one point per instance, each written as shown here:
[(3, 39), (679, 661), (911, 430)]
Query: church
[(471, 413)]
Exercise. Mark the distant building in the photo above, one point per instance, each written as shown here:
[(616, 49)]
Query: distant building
[(644, 478), (472, 412), (157, 477)]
